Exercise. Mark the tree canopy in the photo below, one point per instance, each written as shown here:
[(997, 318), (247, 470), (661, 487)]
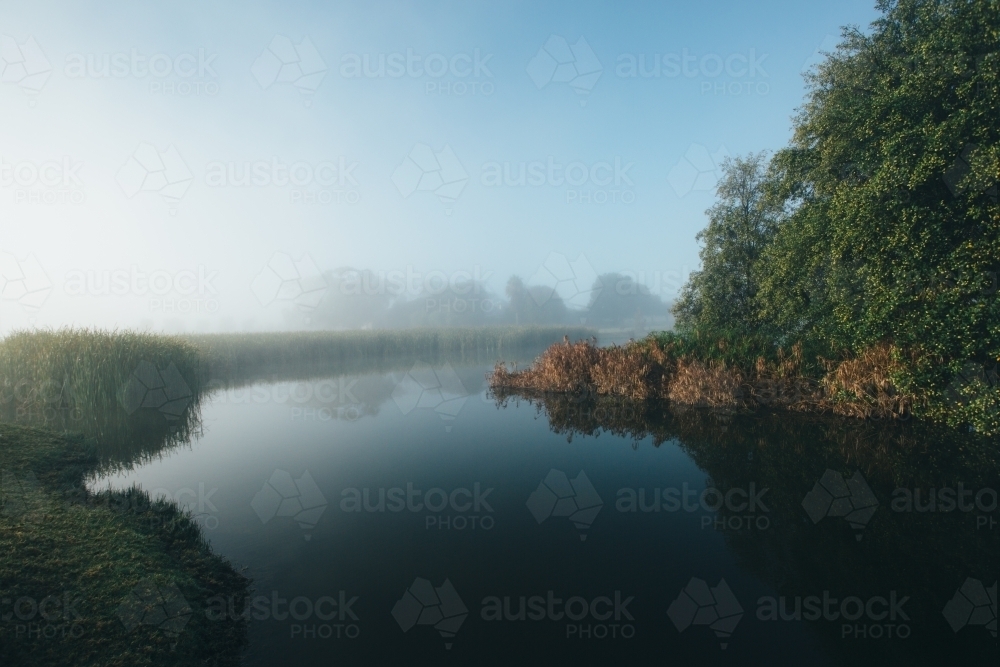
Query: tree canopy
[(880, 221)]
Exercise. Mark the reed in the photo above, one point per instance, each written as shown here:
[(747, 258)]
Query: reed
[(725, 372), (102, 384)]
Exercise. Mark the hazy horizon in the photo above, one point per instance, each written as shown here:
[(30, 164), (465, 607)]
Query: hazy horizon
[(191, 168)]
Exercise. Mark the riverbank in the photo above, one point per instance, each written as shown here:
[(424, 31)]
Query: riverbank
[(116, 578), (111, 578), (721, 374)]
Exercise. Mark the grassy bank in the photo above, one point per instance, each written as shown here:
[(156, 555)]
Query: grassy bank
[(101, 579), (722, 372)]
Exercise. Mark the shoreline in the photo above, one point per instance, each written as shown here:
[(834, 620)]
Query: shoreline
[(663, 367)]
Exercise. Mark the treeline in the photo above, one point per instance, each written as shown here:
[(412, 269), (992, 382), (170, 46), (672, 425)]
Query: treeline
[(879, 224), (357, 298)]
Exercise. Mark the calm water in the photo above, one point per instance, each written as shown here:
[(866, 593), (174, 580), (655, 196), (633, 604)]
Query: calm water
[(387, 521)]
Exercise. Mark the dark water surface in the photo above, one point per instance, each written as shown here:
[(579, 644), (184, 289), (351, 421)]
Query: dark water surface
[(407, 518)]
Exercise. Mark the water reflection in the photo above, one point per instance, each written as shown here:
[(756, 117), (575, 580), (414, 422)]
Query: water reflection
[(762, 519), (866, 531)]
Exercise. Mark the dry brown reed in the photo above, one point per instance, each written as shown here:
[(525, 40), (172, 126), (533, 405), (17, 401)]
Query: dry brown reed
[(860, 386)]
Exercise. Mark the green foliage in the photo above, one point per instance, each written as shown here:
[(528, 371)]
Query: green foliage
[(889, 225), (737, 348), (77, 380), (740, 225)]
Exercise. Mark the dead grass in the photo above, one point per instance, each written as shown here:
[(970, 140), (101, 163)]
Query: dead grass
[(708, 385), (650, 369), (862, 386)]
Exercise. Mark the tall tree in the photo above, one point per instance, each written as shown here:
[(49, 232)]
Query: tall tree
[(740, 225), (617, 298), (893, 220)]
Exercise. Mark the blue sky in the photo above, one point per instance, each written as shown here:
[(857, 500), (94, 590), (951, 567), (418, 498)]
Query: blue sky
[(274, 85)]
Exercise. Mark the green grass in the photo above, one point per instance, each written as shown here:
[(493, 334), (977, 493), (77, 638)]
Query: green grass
[(57, 539)]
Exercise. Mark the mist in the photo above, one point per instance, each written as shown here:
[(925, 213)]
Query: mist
[(261, 167)]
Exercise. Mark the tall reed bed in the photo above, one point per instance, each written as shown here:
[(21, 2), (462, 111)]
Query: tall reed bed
[(129, 390)]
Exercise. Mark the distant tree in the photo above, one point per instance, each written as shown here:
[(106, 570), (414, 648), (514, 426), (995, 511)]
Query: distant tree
[(617, 299), (721, 295), (354, 298), (534, 304), (464, 304)]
